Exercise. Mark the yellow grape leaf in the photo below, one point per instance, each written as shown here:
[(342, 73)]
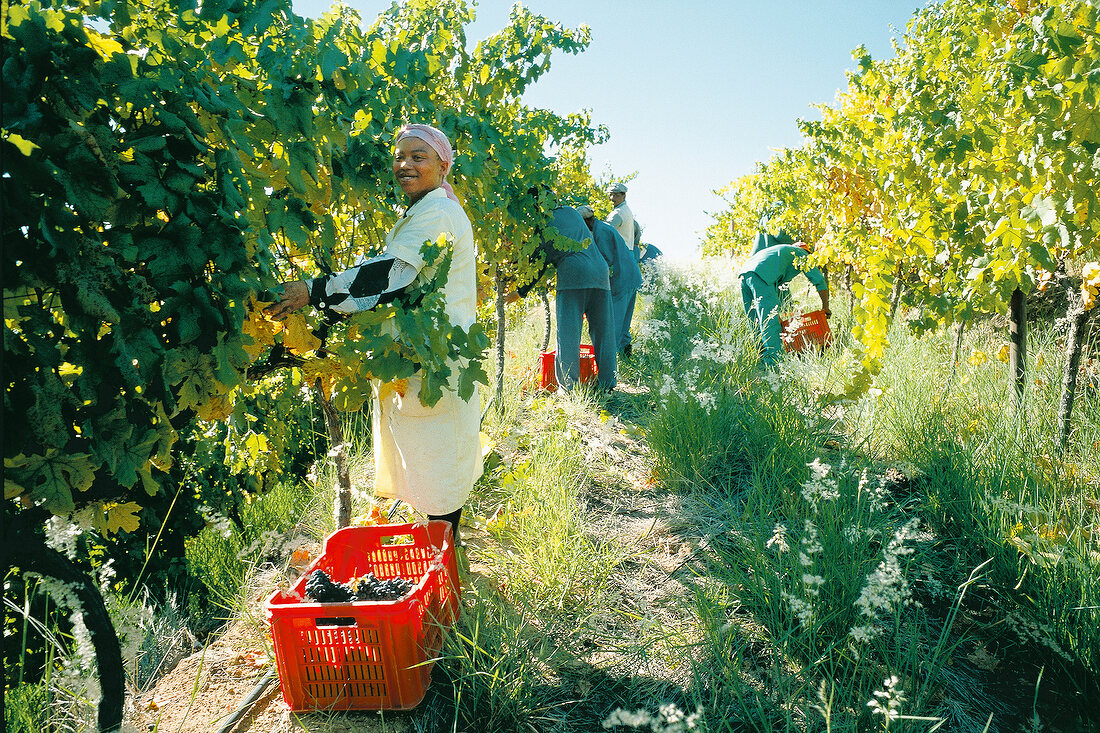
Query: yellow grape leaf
[(378, 52), (399, 386), (105, 47), (297, 335), (259, 328), (217, 407), (256, 445), (327, 370), (1002, 355), (222, 27), (16, 14), (115, 517), (12, 489), (24, 145)]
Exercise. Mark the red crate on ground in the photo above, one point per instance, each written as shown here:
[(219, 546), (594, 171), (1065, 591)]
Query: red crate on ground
[(367, 655), (549, 378), (809, 330)]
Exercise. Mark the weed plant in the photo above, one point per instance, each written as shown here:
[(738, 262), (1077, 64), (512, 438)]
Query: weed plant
[(877, 544), (223, 557), (25, 708), (990, 475), (509, 662), (63, 698)]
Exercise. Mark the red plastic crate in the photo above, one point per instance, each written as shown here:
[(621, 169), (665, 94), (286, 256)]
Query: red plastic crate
[(367, 655), (809, 330), (549, 378)]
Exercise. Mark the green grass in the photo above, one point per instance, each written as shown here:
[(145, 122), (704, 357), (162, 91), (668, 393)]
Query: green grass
[(223, 558), (25, 708), (1002, 558), (940, 572)]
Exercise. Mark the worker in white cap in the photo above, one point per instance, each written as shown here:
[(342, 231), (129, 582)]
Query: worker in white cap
[(622, 219)]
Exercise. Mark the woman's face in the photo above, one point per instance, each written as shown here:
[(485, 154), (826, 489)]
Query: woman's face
[(417, 168)]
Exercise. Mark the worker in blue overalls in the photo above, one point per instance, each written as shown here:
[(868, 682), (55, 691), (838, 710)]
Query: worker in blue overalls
[(626, 278), (583, 291)]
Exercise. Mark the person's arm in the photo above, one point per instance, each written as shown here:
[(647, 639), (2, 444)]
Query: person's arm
[(816, 277), (363, 287), (522, 290), (375, 281)]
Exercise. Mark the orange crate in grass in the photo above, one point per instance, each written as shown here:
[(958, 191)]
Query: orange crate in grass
[(588, 372), (809, 330), (367, 655)]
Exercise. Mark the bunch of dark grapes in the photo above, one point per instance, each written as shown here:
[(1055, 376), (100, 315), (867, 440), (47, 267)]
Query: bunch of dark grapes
[(370, 588), (320, 588)]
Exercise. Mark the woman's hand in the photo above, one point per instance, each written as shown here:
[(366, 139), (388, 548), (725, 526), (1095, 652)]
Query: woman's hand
[(295, 297)]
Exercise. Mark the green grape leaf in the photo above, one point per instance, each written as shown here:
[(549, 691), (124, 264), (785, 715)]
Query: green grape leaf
[(52, 479)]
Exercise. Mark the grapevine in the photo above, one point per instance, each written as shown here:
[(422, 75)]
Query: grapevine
[(165, 168), (950, 178)]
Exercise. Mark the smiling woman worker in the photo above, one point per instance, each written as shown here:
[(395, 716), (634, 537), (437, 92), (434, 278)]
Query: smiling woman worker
[(428, 457)]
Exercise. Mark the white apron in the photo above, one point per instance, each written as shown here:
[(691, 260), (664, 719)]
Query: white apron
[(430, 457)]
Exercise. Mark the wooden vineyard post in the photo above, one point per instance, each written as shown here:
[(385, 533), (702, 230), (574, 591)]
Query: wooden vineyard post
[(1078, 318), (1017, 349), (338, 449), (546, 315), (499, 281), (895, 294)]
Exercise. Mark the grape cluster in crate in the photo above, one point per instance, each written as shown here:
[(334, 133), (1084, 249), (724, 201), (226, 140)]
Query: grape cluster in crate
[(321, 588)]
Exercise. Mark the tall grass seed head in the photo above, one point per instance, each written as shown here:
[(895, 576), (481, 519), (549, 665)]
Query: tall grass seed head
[(62, 535), (886, 590), (820, 486), (778, 539), (887, 701)]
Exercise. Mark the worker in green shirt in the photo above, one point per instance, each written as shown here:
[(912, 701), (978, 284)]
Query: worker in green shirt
[(761, 277)]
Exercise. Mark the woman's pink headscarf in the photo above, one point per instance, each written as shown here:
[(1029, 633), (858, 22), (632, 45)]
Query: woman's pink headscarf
[(439, 143)]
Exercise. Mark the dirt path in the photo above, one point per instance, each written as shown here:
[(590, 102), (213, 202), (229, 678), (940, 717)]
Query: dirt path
[(205, 689)]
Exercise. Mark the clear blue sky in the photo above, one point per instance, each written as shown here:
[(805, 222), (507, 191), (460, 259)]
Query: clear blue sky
[(694, 92)]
